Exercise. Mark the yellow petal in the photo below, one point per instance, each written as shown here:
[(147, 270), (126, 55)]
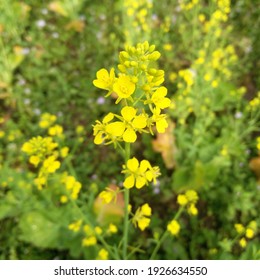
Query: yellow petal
[(144, 165), (129, 182), (140, 121), (140, 182), (132, 164), (109, 117), (161, 125), (98, 138), (128, 113), (115, 128), (143, 223), (146, 210), (129, 136)]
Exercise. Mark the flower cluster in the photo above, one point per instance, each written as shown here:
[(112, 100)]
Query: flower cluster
[(173, 227), (72, 188), (142, 217), (138, 88), (139, 174), (189, 200), (245, 233)]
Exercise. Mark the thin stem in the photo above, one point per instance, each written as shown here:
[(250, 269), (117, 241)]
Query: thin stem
[(126, 198), (165, 234)]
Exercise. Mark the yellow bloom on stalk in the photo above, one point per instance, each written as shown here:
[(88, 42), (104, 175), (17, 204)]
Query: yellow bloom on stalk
[(159, 99), (64, 152), (159, 119), (104, 79), (192, 210), (192, 196), (89, 241), (55, 130), (102, 255), (51, 164), (112, 228), (106, 196), (249, 233), (131, 123), (173, 227), (47, 120), (242, 242), (100, 129), (35, 160), (141, 217), (123, 87), (72, 186), (182, 199), (39, 146), (75, 226), (239, 228), (139, 174)]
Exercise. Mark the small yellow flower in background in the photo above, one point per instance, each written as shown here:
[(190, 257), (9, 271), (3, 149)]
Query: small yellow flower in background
[(79, 129), (224, 151), (249, 233), (89, 241), (173, 76), (40, 182), (2, 133), (106, 196), (64, 152), (192, 196), (72, 185), (112, 228), (141, 217), (51, 164), (123, 87), (202, 18), (173, 227), (139, 174), (47, 120), (55, 130), (98, 230), (88, 230), (239, 228), (182, 199), (75, 227), (167, 47), (242, 242), (102, 255), (64, 199), (104, 79), (192, 210)]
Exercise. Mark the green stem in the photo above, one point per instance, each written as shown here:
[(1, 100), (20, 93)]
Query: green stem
[(126, 198), (165, 234)]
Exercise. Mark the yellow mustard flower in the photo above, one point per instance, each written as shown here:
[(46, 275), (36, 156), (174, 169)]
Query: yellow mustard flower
[(89, 241), (192, 196), (47, 120), (102, 254), (141, 217), (112, 228), (123, 87), (104, 79), (173, 227), (159, 99), (51, 164), (159, 120), (192, 210), (249, 233), (55, 130), (242, 242), (139, 174), (182, 199), (239, 228), (75, 226)]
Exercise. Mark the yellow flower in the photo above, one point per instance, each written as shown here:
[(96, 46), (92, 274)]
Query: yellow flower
[(98, 230), (140, 218), (112, 228), (159, 119), (40, 182), (89, 241), (55, 130), (192, 210), (35, 160), (182, 199), (104, 79), (64, 152), (64, 199), (106, 196), (123, 87), (131, 123), (192, 196), (243, 242), (239, 228), (51, 164), (100, 129), (159, 99), (47, 120), (102, 255), (139, 175), (249, 233), (75, 226), (173, 227)]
